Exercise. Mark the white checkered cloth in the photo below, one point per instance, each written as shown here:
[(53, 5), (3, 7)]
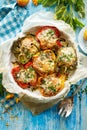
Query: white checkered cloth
[(11, 19), (7, 104)]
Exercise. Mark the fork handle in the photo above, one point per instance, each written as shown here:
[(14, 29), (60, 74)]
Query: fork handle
[(79, 87)]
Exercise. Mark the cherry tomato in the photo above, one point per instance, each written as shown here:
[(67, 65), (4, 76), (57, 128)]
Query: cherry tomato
[(22, 3)]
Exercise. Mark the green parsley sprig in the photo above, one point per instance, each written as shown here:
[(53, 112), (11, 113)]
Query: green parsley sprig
[(67, 10)]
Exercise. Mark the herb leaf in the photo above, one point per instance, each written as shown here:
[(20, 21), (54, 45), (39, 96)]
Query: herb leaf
[(52, 88), (67, 10), (1, 86)]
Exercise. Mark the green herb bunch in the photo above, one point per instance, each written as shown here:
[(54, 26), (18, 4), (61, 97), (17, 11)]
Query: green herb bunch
[(67, 10)]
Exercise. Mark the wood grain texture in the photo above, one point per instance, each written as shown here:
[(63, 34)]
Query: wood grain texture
[(48, 120)]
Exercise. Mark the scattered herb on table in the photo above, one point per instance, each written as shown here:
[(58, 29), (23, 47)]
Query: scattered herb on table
[(7, 124), (14, 116), (67, 10), (1, 86)]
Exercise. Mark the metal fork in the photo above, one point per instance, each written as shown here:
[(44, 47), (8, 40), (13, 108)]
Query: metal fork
[(66, 105)]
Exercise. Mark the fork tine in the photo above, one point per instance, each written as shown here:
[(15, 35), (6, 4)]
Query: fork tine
[(60, 111), (63, 113), (68, 113)]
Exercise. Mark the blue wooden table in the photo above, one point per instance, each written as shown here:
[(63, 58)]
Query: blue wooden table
[(19, 118)]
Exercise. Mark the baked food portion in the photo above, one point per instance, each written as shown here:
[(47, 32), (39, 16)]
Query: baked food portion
[(44, 62), (24, 48), (66, 56), (66, 60), (48, 37), (51, 84), (25, 76)]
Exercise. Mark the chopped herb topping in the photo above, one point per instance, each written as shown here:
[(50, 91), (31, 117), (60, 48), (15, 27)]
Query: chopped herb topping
[(52, 88), (68, 57)]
